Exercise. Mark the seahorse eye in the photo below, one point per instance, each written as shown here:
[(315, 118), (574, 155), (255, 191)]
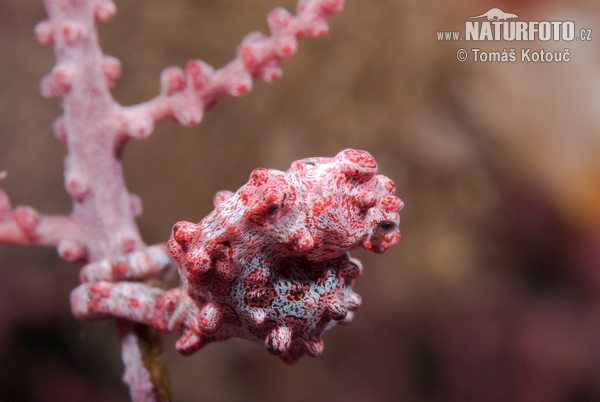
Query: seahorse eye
[(386, 225)]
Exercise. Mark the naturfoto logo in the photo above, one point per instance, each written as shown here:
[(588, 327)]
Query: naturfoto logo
[(498, 25)]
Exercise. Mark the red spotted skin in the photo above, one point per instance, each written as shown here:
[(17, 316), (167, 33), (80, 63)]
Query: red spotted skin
[(271, 261)]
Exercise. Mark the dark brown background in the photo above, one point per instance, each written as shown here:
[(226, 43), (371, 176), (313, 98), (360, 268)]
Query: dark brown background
[(491, 295)]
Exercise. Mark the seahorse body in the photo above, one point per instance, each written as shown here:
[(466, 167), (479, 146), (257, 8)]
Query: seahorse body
[(271, 262)]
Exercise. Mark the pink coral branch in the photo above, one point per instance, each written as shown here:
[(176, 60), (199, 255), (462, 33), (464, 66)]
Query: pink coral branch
[(134, 266), (147, 384), (186, 94), (25, 226), (94, 129), (139, 380)]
